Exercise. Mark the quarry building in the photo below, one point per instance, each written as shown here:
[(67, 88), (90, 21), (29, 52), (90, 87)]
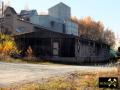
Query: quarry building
[(53, 36)]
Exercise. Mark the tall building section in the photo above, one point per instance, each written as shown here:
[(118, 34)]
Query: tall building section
[(60, 11), (63, 13)]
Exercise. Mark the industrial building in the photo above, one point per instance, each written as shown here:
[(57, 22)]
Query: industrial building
[(58, 19), (53, 36)]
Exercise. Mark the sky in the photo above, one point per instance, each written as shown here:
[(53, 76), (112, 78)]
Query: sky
[(107, 11)]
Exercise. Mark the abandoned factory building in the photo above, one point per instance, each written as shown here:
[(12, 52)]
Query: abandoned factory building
[(52, 36)]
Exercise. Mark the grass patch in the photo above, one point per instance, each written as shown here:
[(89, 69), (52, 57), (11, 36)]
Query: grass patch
[(32, 60), (9, 59), (72, 81)]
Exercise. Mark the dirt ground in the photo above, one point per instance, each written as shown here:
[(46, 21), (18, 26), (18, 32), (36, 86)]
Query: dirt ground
[(12, 73)]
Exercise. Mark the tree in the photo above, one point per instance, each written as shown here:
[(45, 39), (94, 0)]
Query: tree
[(109, 37), (74, 19), (88, 28)]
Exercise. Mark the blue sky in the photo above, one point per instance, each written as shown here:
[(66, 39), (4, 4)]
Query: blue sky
[(107, 11)]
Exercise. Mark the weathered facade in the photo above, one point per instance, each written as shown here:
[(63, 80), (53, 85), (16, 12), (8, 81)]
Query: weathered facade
[(91, 51), (47, 43), (63, 47)]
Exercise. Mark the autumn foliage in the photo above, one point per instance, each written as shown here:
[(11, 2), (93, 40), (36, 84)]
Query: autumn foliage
[(90, 29), (7, 45)]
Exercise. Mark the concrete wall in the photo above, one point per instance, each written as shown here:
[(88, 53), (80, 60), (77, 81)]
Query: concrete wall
[(49, 22), (42, 20)]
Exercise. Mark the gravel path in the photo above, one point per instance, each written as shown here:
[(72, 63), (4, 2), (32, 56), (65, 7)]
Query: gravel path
[(12, 73)]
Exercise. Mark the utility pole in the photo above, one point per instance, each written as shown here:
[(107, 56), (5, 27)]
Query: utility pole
[(2, 18), (2, 8)]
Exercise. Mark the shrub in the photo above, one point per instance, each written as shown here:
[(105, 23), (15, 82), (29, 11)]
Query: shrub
[(29, 52), (7, 45)]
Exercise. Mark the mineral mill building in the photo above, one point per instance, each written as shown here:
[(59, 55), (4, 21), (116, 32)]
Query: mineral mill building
[(53, 36)]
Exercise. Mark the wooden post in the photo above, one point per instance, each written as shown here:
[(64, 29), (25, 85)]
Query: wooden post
[(118, 67)]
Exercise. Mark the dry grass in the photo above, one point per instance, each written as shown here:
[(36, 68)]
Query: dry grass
[(32, 60), (73, 81)]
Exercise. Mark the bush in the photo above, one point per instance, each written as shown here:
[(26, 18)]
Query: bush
[(7, 45)]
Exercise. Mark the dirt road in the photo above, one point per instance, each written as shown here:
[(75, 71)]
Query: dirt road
[(12, 73)]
